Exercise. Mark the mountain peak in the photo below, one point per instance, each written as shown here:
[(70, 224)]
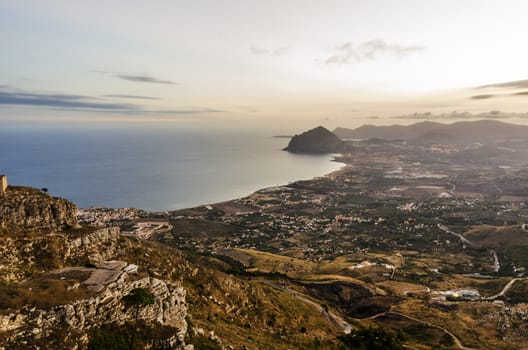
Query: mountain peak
[(316, 140)]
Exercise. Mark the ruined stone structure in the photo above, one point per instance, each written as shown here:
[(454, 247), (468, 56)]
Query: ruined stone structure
[(3, 184)]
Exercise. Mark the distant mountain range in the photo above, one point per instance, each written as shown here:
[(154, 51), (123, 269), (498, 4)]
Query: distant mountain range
[(470, 131)]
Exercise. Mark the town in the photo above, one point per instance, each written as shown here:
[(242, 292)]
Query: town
[(436, 225)]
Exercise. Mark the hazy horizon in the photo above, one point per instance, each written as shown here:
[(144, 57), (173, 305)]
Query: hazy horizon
[(296, 64)]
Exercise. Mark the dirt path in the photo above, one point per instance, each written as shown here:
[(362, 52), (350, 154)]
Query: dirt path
[(329, 315), (457, 341), (505, 289), (347, 328)]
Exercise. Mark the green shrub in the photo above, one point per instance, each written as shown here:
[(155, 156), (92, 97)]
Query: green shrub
[(371, 339)]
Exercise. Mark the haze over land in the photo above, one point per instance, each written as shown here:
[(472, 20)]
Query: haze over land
[(233, 63), (218, 235)]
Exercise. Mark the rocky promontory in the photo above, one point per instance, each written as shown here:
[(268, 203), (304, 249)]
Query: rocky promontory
[(68, 325), (25, 208), (318, 140), (64, 285)]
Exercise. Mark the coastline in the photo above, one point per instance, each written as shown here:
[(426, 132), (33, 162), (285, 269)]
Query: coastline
[(335, 159), (262, 189), (155, 170)]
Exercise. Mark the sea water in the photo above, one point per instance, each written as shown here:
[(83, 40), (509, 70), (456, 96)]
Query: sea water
[(152, 168)]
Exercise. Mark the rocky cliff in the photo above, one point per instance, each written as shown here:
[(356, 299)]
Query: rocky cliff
[(24, 208), (24, 256), (62, 290), (68, 325), (318, 140)]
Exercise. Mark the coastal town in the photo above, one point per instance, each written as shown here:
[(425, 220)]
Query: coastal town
[(423, 240), (414, 226)]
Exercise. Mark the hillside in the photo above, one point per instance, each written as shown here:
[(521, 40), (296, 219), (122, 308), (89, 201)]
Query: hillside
[(64, 288), (317, 140), (425, 242), (471, 131)]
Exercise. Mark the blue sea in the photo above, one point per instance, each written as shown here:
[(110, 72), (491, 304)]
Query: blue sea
[(155, 169)]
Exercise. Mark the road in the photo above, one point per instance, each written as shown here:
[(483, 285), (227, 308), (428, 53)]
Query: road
[(462, 238), (505, 289), (496, 263), (329, 315), (457, 341), (347, 328)]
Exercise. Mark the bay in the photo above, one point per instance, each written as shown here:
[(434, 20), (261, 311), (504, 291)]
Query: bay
[(155, 169)]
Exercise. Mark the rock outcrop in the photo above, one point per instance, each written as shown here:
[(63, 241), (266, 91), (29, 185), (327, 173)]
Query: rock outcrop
[(22, 256), (24, 208), (68, 326), (63, 291), (90, 244), (318, 140)]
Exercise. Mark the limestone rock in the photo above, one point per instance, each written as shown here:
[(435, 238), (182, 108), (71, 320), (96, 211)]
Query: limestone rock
[(24, 208), (77, 318)]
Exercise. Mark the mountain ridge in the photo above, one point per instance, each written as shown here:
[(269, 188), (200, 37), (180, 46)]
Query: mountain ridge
[(427, 131)]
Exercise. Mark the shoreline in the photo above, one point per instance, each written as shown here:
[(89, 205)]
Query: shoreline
[(264, 189), (334, 159)]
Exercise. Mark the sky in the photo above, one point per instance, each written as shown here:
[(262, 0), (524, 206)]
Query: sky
[(288, 63)]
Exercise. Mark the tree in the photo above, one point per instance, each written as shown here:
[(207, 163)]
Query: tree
[(137, 299), (371, 339)]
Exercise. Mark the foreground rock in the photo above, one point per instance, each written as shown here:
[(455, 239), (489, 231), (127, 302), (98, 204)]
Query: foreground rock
[(68, 325), (61, 288), (318, 140)]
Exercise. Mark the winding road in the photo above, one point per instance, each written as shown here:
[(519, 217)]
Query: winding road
[(505, 289), (329, 315), (347, 328), (462, 238), (457, 341)]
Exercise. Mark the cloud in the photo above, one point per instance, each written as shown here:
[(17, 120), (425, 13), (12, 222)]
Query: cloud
[(486, 96), (15, 97), (184, 111), (463, 116), (132, 97), (517, 84), (59, 101), (261, 51), (348, 53), (145, 79), (482, 97)]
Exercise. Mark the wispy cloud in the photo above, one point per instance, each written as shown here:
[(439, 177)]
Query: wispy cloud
[(184, 111), (348, 53), (145, 79), (277, 52), (132, 97), (13, 97), (59, 101), (462, 115), (488, 96), (482, 97), (517, 84)]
